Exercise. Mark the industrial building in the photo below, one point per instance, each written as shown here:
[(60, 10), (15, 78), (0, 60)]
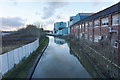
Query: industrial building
[(74, 19), (63, 31), (58, 26), (102, 29), (79, 16)]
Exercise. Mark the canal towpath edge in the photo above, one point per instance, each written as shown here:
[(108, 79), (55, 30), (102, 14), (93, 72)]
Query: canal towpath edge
[(36, 63)]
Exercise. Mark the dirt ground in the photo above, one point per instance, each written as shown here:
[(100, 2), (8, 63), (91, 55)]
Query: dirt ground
[(15, 40)]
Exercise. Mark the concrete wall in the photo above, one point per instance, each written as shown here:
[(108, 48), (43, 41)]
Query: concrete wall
[(10, 59)]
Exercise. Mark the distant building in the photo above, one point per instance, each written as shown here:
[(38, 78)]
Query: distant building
[(59, 26), (68, 23), (79, 16), (74, 19), (63, 31)]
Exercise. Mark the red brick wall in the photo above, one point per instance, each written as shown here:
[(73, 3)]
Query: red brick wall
[(86, 30), (97, 30), (91, 32), (104, 31)]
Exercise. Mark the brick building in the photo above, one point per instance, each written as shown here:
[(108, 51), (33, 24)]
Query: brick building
[(98, 28)]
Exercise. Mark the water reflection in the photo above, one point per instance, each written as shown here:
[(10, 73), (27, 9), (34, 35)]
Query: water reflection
[(58, 40), (84, 60), (59, 61)]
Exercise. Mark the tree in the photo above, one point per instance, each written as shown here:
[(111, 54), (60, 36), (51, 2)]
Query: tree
[(39, 24), (32, 30)]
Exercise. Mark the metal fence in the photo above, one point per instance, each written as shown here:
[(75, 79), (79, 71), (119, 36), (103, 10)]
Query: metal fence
[(10, 59)]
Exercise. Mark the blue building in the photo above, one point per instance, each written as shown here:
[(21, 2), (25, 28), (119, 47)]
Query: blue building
[(74, 19), (68, 23), (63, 31), (79, 16), (59, 26)]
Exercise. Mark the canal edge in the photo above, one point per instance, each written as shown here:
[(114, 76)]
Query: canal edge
[(29, 77)]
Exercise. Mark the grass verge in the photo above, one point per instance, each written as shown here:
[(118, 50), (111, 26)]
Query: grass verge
[(22, 69)]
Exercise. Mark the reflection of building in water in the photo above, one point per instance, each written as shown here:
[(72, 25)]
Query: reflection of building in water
[(85, 61), (103, 67), (58, 40)]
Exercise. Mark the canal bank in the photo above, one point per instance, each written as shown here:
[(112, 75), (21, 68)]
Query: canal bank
[(22, 70), (80, 53), (104, 66), (31, 71), (59, 62)]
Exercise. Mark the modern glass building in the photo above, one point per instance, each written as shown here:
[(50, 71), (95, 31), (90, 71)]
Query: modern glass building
[(59, 25)]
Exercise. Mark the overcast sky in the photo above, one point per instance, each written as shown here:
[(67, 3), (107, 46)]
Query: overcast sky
[(17, 13)]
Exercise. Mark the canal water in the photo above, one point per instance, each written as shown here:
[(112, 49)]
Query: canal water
[(58, 62)]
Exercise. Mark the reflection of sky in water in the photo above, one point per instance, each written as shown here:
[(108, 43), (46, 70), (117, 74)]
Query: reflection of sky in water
[(57, 62)]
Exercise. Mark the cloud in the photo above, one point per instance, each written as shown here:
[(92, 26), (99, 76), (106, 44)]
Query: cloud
[(12, 21), (51, 21), (51, 8), (61, 17), (14, 2)]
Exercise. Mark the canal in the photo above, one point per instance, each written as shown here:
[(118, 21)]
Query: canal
[(58, 61)]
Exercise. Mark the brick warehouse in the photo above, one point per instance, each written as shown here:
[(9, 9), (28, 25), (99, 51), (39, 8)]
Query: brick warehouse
[(99, 28)]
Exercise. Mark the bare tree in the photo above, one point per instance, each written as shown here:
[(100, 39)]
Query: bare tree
[(39, 24)]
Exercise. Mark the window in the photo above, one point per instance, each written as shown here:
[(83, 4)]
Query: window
[(116, 20), (96, 23), (96, 39), (80, 26), (90, 24), (86, 36), (105, 22), (81, 35), (100, 37), (91, 38), (114, 43), (86, 25)]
